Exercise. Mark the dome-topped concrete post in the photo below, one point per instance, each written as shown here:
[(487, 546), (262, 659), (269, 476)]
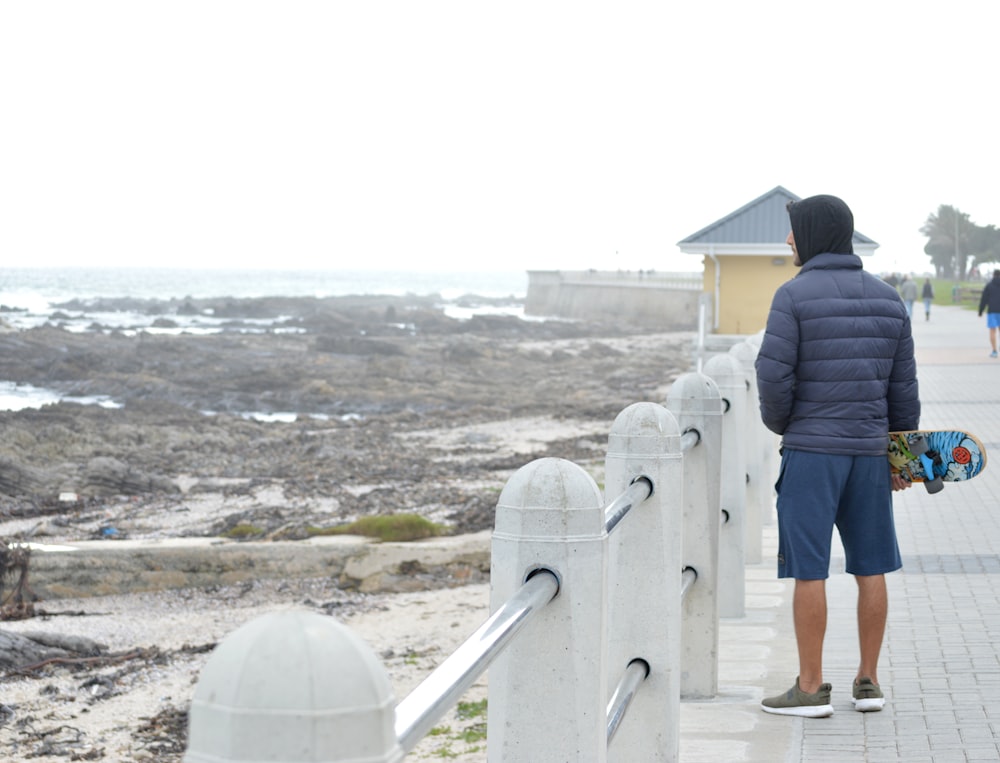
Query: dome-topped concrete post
[(746, 353), (644, 580), (548, 689), (730, 378), (294, 687), (695, 401), (771, 444)]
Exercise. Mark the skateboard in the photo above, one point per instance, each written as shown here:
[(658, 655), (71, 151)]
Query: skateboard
[(936, 456)]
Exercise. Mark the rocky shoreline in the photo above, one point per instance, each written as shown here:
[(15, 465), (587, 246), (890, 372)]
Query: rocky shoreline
[(397, 409), (390, 406)]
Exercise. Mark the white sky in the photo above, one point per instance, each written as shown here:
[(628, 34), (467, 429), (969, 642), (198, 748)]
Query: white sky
[(473, 136)]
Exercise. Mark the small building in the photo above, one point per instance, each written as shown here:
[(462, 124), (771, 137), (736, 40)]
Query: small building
[(746, 259)]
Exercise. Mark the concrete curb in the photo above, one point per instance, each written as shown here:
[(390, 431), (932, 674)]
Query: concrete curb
[(101, 568)]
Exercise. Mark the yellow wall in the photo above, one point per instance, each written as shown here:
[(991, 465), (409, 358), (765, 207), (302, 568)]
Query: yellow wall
[(745, 289)]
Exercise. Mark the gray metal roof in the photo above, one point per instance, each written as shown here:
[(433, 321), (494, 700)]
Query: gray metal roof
[(764, 221)]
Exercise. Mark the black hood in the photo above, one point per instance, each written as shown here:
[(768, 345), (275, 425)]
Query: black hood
[(821, 224)]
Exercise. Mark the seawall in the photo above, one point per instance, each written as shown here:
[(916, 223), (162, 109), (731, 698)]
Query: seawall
[(665, 301)]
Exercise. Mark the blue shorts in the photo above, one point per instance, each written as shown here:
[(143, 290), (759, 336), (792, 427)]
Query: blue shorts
[(992, 320), (819, 491)]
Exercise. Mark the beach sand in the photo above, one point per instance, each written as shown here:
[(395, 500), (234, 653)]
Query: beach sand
[(135, 709)]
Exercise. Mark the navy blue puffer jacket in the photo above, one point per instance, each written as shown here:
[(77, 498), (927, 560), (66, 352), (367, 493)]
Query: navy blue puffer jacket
[(836, 372)]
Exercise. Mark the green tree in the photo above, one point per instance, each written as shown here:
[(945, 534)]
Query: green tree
[(949, 244), (985, 244)]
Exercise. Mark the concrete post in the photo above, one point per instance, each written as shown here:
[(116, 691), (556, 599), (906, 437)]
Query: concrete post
[(704, 311), (771, 445), (297, 687), (746, 353), (695, 401), (644, 577), (726, 372), (548, 690)]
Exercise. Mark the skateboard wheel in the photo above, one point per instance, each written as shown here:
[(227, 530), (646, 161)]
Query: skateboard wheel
[(934, 486), (918, 446)]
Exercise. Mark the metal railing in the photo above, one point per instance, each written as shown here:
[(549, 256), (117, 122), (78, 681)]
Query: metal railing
[(577, 592), (432, 698)]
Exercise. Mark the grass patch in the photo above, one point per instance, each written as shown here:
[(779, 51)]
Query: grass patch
[(944, 292), (474, 733), (472, 736), (242, 532), (391, 527), (467, 710)]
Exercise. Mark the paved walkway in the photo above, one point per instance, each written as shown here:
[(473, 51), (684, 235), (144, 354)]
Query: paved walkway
[(940, 667)]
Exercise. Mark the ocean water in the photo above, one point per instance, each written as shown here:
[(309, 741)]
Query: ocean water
[(38, 287), (30, 297)]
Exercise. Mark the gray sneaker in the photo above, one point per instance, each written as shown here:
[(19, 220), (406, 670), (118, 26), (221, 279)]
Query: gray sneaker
[(797, 702), (867, 696)]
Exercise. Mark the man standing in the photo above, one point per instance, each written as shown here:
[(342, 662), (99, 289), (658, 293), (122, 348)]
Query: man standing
[(990, 302), (835, 375)]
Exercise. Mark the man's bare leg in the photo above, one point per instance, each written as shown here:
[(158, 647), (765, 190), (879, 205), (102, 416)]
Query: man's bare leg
[(993, 339), (873, 609), (809, 612)]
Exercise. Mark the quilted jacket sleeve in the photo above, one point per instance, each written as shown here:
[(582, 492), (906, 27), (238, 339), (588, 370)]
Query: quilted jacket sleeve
[(903, 395), (776, 363)]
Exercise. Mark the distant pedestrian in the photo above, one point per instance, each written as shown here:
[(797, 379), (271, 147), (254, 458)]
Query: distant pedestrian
[(928, 296), (908, 291), (990, 302)]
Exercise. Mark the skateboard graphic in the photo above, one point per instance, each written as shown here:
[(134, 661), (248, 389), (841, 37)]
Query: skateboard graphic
[(935, 456)]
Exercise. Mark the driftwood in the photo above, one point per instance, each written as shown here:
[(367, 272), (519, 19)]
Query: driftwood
[(22, 650), (19, 603), (19, 651)]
